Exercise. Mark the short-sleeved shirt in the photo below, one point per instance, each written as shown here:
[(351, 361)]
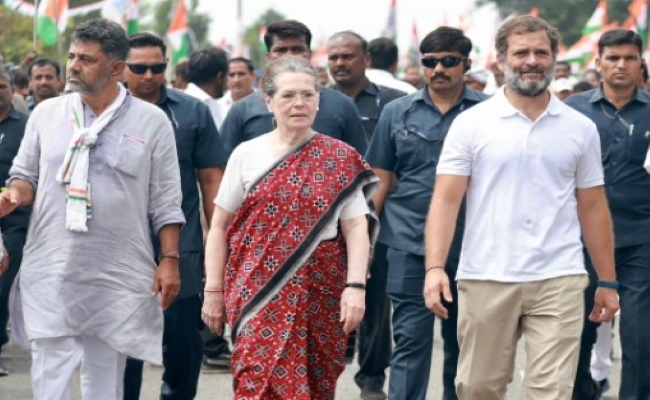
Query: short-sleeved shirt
[(624, 140), (199, 147), (370, 101), (522, 219), (407, 141), (336, 117), (12, 130)]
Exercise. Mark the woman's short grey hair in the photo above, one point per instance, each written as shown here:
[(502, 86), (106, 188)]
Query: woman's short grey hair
[(283, 65)]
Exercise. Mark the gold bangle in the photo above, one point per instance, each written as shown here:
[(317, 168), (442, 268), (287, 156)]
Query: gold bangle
[(213, 291)]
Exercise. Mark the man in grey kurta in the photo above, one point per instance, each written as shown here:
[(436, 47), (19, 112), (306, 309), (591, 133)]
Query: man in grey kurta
[(96, 286)]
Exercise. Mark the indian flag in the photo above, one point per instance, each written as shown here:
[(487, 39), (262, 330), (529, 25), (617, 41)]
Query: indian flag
[(637, 21), (598, 19), (123, 12), (263, 49), (132, 15), (52, 20), (586, 48), (177, 34)]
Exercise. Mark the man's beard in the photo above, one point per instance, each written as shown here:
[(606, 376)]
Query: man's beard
[(528, 88)]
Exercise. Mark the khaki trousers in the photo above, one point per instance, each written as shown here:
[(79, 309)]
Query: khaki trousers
[(492, 316)]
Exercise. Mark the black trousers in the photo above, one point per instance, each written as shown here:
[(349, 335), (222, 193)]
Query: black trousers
[(633, 272), (410, 364), (182, 354), (585, 388), (374, 335), (14, 242)]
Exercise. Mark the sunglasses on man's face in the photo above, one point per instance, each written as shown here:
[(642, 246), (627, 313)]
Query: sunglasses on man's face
[(141, 69), (447, 62)]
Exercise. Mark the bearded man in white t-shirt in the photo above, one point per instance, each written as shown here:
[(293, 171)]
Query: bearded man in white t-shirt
[(530, 167)]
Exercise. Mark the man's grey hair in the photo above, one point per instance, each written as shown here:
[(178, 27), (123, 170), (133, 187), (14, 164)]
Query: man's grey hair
[(110, 36)]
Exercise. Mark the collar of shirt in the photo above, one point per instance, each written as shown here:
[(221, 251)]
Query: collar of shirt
[(166, 94), (639, 95), (14, 114), (370, 88), (506, 109), (379, 73), (197, 92), (468, 94)]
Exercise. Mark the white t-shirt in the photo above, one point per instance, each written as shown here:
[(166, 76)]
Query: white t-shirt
[(250, 160), (522, 221), (218, 114)]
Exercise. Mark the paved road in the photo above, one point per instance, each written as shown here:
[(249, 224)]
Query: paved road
[(218, 386)]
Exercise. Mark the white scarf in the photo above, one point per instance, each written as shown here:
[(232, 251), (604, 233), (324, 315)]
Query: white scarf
[(74, 170)]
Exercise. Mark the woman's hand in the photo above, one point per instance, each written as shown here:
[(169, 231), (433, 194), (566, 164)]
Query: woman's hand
[(353, 306), (213, 311)]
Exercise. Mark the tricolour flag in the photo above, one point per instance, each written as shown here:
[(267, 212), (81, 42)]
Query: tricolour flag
[(637, 21), (586, 48), (123, 12), (390, 30), (263, 49), (178, 34), (598, 19), (132, 17), (52, 20)]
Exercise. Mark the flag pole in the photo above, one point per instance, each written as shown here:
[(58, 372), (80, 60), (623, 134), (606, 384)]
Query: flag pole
[(35, 33)]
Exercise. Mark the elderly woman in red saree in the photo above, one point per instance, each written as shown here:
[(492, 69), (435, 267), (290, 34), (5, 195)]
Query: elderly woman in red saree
[(288, 248)]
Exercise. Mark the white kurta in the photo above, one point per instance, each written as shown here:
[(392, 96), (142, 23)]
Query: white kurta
[(99, 282)]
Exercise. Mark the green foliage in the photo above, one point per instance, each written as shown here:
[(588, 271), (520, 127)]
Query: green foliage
[(252, 36), (568, 16), (17, 36)]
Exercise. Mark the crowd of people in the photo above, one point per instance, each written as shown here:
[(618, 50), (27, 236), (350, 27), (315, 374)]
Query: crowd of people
[(220, 220)]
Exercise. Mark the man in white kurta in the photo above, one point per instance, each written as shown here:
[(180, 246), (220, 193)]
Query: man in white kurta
[(88, 295)]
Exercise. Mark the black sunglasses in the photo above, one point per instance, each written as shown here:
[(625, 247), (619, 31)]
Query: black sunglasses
[(141, 69), (447, 62)]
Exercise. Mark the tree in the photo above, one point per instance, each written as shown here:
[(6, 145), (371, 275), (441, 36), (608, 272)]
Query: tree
[(568, 16), (252, 36)]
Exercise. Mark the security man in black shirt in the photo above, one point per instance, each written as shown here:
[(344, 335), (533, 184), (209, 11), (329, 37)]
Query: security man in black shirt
[(14, 225), (620, 111), (348, 59)]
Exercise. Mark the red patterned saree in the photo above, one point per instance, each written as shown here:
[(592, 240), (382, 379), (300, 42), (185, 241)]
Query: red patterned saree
[(283, 282)]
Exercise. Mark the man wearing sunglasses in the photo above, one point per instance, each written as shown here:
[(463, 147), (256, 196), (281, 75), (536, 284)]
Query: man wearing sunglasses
[(348, 57), (405, 148), (201, 158)]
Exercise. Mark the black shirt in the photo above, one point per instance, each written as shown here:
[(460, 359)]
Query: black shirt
[(371, 101), (624, 140), (12, 130), (408, 141), (337, 117), (199, 147)]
